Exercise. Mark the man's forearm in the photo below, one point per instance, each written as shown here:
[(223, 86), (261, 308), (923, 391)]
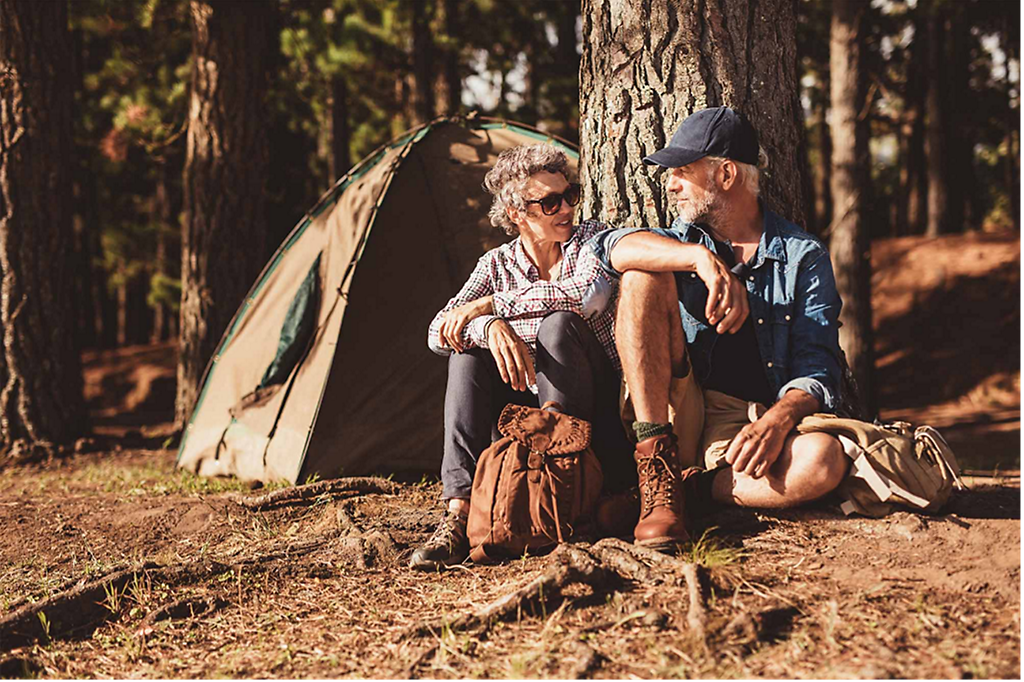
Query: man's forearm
[(654, 253), (791, 408)]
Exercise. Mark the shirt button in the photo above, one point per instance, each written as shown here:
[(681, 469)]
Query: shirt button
[(788, 318), (760, 320), (751, 278), (693, 275), (769, 364)]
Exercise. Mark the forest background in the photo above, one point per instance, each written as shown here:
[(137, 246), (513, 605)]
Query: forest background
[(321, 83)]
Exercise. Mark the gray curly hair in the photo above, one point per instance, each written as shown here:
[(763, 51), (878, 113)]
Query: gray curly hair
[(509, 176)]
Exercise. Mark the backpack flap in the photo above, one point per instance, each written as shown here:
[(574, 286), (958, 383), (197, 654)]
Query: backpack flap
[(544, 431)]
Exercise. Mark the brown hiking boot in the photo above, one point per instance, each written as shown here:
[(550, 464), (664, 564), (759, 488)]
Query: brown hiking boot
[(446, 547), (662, 507)]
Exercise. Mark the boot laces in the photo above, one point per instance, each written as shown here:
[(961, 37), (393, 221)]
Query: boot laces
[(659, 479), (448, 530)]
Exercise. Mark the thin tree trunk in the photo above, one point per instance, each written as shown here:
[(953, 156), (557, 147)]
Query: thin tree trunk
[(823, 167), (341, 136), (648, 64), (40, 367), (850, 243), (226, 163), (935, 143), (1011, 161), (451, 76), (122, 307), (959, 136), (422, 62), (162, 218)]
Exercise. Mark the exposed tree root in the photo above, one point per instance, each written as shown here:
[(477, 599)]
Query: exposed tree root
[(696, 617), (66, 611), (88, 605), (309, 491), (574, 565), (183, 608)]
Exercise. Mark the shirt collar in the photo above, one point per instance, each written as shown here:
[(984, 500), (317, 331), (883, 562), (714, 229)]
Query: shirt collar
[(772, 245)]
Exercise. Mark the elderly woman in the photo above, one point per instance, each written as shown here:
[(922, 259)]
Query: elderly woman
[(530, 325)]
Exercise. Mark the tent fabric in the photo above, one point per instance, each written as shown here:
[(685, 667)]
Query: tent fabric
[(387, 246), (297, 328)]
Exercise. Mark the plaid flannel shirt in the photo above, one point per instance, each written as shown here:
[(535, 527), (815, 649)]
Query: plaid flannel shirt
[(522, 299)]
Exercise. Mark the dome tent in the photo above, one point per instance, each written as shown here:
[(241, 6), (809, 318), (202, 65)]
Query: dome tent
[(324, 369)]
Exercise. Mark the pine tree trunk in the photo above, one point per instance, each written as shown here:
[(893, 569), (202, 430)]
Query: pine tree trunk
[(959, 137), (850, 243), (162, 219), (934, 141), (1011, 161), (226, 162), (648, 64), (422, 62), (40, 368)]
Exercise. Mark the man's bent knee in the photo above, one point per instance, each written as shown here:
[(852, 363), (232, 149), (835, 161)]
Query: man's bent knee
[(643, 280), (820, 463)]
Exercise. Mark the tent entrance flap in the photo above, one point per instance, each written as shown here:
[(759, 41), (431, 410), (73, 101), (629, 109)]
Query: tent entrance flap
[(299, 323)]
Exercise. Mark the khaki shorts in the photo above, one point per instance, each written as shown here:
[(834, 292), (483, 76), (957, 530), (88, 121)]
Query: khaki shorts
[(705, 422)]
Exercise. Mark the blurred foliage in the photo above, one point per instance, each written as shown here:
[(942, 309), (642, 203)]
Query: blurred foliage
[(351, 62)]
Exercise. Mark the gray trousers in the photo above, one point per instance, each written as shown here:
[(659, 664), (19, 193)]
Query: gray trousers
[(572, 369)]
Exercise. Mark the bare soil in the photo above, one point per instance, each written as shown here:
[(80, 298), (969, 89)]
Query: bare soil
[(320, 589)]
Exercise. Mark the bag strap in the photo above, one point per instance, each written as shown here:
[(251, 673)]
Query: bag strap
[(554, 502)]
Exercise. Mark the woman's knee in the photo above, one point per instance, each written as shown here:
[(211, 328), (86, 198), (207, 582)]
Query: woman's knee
[(561, 330)]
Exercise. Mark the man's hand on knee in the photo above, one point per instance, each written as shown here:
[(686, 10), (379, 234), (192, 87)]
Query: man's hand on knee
[(758, 445)]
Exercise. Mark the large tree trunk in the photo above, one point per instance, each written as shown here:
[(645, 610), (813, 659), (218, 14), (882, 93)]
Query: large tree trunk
[(40, 369), (224, 227), (850, 244), (959, 136), (1011, 161), (934, 141), (648, 64)]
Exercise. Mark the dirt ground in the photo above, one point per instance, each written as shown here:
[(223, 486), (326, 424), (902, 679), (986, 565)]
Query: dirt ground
[(114, 564)]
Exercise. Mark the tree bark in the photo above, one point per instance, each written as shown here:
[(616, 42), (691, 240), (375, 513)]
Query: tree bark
[(226, 162), (648, 64), (850, 244), (40, 367), (913, 182), (934, 141)]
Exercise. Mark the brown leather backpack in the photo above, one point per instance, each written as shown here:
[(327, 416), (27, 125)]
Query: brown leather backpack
[(534, 487)]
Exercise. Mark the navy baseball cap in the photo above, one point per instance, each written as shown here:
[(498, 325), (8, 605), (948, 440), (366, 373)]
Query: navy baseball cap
[(719, 131)]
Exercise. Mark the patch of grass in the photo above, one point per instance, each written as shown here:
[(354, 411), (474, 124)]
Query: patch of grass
[(708, 552)]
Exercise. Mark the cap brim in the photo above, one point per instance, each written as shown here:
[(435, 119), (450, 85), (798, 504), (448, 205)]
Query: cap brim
[(674, 157)]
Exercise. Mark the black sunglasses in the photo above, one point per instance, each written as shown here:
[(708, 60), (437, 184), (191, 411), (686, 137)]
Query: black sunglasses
[(550, 204)]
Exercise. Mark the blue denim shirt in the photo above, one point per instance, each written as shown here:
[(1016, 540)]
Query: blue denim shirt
[(793, 300)]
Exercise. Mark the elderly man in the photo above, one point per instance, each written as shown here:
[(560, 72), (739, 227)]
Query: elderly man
[(741, 301)]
